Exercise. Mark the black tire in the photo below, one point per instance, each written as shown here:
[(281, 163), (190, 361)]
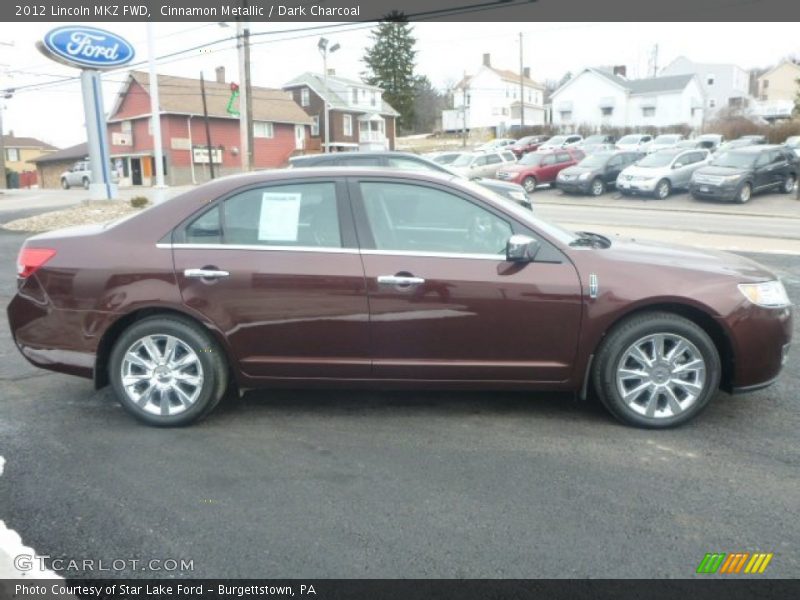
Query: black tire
[(624, 336), (209, 355), (663, 189), (529, 184), (86, 183), (64, 183), (745, 193), (788, 184), (597, 188)]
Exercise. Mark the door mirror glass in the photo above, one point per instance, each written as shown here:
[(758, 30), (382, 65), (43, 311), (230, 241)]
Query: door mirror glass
[(521, 248)]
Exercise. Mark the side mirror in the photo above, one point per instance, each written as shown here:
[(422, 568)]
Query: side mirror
[(521, 248), (678, 165)]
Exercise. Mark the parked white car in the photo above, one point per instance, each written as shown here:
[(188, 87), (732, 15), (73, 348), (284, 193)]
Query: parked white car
[(482, 164), (496, 144), (560, 141), (81, 175), (659, 173), (794, 143), (667, 140), (443, 158), (635, 142)]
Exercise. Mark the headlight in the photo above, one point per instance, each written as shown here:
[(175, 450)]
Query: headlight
[(731, 178), (769, 294), (585, 176), (518, 195)]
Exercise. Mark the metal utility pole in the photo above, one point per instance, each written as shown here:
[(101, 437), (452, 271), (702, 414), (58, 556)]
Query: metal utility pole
[(464, 111), (155, 114), (208, 128), (2, 145), (322, 45), (245, 95), (521, 88)]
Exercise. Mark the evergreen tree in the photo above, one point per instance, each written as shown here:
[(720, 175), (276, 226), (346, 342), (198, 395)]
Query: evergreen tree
[(390, 65)]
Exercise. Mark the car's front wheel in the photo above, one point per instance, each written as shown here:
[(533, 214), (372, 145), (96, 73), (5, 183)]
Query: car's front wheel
[(663, 189), (64, 183), (656, 370), (788, 184), (744, 194), (529, 183), (86, 183), (167, 371), (598, 187)]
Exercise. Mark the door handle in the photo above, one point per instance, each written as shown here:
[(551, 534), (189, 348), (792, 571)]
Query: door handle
[(204, 273), (400, 280)]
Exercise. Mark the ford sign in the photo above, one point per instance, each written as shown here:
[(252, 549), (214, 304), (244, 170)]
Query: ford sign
[(87, 47)]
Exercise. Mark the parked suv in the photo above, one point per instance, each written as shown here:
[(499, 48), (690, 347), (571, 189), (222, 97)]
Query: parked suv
[(736, 175), (81, 174), (659, 173), (560, 141), (410, 162), (635, 142), (482, 164), (794, 143), (595, 173), (540, 167), (597, 143), (526, 144), (667, 140)]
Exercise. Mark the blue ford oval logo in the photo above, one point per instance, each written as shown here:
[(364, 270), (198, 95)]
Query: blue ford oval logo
[(88, 47)]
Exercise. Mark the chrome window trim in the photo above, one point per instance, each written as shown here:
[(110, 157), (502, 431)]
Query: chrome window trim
[(495, 257)]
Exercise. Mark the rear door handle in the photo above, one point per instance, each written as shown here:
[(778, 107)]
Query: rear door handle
[(205, 273), (400, 280)]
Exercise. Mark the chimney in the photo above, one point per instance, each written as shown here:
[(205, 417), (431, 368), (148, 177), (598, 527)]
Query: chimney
[(620, 70), (331, 72), (487, 60), (526, 72), (220, 71)]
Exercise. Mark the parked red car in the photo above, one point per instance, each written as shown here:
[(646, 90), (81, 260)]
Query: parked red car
[(529, 143), (382, 278), (536, 168)]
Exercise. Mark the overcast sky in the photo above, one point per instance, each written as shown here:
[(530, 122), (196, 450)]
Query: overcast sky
[(55, 114)]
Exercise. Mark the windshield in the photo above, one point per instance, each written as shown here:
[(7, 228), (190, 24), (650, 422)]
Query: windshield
[(524, 140), (658, 159), (793, 141), (557, 139), (735, 160), (595, 139), (464, 160), (531, 159), (667, 139), (594, 161), (630, 139)]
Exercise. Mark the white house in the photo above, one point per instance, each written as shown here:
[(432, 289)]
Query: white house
[(491, 99), (601, 97), (724, 85)]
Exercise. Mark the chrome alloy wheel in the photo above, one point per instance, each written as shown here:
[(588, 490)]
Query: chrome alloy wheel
[(162, 375), (661, 375)]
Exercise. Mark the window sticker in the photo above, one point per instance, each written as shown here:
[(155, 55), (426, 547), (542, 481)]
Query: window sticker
[(280, 216)]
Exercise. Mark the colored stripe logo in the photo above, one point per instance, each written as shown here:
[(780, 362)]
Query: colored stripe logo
[(734, 563)]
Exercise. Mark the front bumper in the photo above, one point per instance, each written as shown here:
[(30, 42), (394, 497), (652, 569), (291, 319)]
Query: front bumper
[(713, 192), (645, 186), (761, 339), (574, 186)]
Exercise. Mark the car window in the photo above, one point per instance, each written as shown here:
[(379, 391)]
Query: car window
[(550, 159), (302, 214), (777, 156), (205, 229), (647, 138), (762, 159), (408, 217), (358, 161), (479, 162), (562, 157), (699, 156), (493, 159), (509, 156), (409, 164), (615, 161)]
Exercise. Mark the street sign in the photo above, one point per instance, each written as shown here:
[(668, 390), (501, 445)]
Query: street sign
[(87, 47)]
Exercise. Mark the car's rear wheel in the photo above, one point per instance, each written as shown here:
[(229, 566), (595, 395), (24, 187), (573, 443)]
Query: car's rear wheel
[(598, 187), (788, 184), (529, 183), (656, 370), (663, 189), (745, 193), (64, 183), (167, 371), (86, 183)]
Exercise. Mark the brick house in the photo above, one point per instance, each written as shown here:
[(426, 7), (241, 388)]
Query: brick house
[(50, 166), (360, 118), (280, 129)]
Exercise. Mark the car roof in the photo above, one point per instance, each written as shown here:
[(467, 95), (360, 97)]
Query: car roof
[(756, 148)]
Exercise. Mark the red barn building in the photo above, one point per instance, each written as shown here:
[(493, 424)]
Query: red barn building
[(280, 129)]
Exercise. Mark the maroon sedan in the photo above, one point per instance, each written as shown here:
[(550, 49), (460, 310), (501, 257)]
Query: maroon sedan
[(358, 277), (526, 144), (536, 168)]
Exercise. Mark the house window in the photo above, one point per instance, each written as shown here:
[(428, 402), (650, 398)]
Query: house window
[(607, 111), (12, 154), (468, 99), (566, 116), (304, 101), (299, 136), (710, 80), (315, 125), (355, 95), (765, 84), (712, 103), (263, 129), (649, 111), (374, 99), (347, 121)]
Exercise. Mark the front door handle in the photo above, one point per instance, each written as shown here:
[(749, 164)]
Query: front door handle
[(205, 273), (400, 280)]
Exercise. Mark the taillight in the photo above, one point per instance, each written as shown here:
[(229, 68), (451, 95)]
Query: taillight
[(31, 260)]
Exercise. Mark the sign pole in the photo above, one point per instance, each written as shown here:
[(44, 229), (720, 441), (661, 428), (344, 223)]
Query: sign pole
[(155, 115), (101, 187)]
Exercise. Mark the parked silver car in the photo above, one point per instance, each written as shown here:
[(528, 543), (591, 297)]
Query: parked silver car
[(560, 141), (667, 140), (659, 173), (635, 142), (482, 164), (81, 175), (794, 143)]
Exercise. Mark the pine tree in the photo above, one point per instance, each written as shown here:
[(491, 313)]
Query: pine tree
[(390, 65)]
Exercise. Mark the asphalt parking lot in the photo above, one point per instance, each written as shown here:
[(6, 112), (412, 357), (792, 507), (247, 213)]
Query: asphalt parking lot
[(378, 484)]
